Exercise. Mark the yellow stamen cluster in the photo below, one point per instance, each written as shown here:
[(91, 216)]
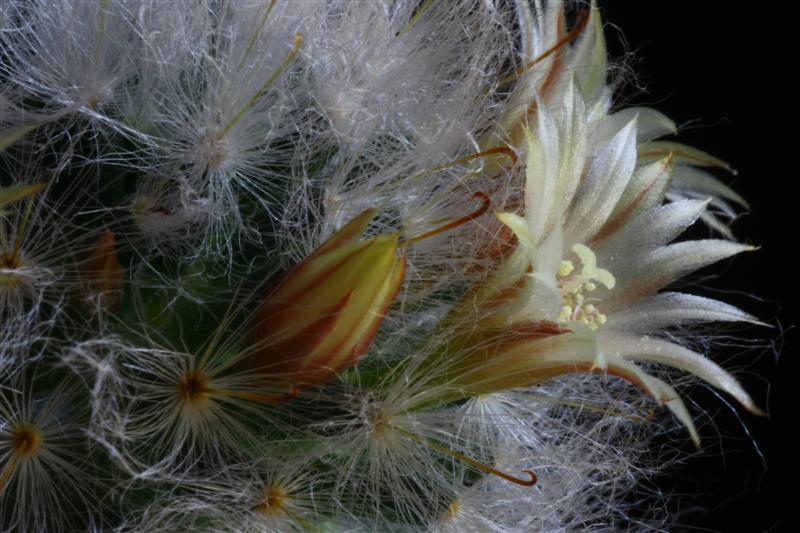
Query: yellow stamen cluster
[(576, 306)]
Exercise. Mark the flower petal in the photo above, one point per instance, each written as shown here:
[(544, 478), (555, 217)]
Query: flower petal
[(588, 58), (644, 191), (703, 183), (653, 151), (667, 264), (643, 348), (649, 230), (650, 124), (675, 309), (608, 175)]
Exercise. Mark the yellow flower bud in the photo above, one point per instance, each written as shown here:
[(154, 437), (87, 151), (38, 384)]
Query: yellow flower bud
[(322, 316)]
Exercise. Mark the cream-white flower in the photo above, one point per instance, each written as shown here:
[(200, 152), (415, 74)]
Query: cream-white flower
[(595, 247)]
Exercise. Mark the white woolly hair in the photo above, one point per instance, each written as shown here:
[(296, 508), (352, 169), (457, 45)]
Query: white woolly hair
[(74, 59), (399, 121), (228, 105)]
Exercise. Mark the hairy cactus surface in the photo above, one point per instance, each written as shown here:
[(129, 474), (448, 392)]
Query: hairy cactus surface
[(342, 266)]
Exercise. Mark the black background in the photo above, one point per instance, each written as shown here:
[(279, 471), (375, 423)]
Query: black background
[(724, 72)]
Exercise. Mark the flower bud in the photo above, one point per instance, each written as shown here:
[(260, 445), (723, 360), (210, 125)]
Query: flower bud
[(322, 316)]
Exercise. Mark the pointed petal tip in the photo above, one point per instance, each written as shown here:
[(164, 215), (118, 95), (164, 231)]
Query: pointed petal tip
[(679, 410)]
